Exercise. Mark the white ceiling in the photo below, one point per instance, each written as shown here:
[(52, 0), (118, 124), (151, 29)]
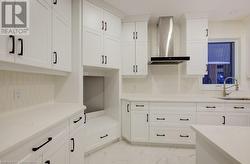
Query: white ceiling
[(215, 9)]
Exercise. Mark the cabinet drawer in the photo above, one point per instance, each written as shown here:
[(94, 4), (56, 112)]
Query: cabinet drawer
[(174, 118), (172, 107), (43, 142), (207, 107), (77, 121), (100, 138), (139, 106), (172, 135), (237, 107)]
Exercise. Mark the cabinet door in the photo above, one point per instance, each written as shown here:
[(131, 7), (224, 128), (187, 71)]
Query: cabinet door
[(112, 25), (141, 58), (197, 29), (208, 118), (58, 156), (63, 9), (6, 45), (142, 31), (61, 51), (128, 48), (93, 36), (126, 119), (139, 126), (37, 45), (77, 147), (198, 52), (237, 119), (112, 52)]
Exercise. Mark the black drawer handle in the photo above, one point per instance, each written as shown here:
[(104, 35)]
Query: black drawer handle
[(224, 120), (55, 58), (47, 162), (211, 107), (78, 120), (184, 119), (73, 143), (55, 2), (13, 44), (184, 136), (85, 118), (39, 147), (239, 107), (139, 106), (104, 136), (128, 108), (161, 119), (21, 51), (160, 135)]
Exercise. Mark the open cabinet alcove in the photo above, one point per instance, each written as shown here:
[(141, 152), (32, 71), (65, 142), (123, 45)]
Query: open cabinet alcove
[(101, 95)]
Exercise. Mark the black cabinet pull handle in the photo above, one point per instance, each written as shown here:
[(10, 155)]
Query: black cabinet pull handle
[(184, 119), (239, 107), (104, 136), (55, 2), (21, 42), (78, 120), (224, 120), (55, 58), (106, 26), (136, 35), (147, 117), (133, 68), (128, 108), (106, 60), (162, 119), (39, 147), (211, 107), (73, 144), (13, 44), (160, 135), (102, 59), (139, 106), (85, 118), (102, 25), (136, 68), (47, 162), (184, 136), (207, 32)]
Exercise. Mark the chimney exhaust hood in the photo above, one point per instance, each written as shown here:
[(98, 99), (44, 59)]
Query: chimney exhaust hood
[(166, 43)]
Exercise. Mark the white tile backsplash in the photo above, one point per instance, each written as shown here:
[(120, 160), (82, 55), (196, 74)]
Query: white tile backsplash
[(19, 90)]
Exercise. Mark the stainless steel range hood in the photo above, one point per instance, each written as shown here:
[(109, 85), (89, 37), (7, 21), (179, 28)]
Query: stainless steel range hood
[(166, 43)]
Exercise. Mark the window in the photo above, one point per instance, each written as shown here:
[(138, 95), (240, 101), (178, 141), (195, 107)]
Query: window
[(221, 63)]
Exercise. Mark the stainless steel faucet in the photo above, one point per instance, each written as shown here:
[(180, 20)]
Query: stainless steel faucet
[(236, 85)]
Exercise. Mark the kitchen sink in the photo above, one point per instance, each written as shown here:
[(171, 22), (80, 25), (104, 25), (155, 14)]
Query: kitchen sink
[(235, 98)]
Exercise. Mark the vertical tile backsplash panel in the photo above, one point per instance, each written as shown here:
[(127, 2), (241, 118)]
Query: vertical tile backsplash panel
[(19, 90)]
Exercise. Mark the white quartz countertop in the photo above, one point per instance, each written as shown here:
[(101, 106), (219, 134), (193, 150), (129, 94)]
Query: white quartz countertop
[(179, 98), (16, 128), (234, 142)]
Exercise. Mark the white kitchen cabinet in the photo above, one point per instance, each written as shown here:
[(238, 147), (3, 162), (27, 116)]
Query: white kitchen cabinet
[(135, 48), (101, 37), (195, 45), (7, 49), (126, 110), (31, 158), (139, 126), (49, 43), (77, 147), (210, 118), (35, 48), (237, 119), (60, 155), (61, 41)]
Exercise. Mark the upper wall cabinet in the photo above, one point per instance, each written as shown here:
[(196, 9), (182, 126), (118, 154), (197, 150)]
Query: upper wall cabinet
[(195, 45), (49, 43), (135, 48), (101, 37)]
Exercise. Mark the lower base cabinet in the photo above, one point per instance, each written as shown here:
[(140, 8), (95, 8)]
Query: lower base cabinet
[(139, 126), (76, 147)]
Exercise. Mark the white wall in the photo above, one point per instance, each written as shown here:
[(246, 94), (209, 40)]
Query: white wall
[(167, 79), (33, 88)]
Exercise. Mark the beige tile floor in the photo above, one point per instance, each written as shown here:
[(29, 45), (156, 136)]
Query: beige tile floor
[(124, 153)]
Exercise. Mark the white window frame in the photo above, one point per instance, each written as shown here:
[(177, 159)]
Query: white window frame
[(219, 87)]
